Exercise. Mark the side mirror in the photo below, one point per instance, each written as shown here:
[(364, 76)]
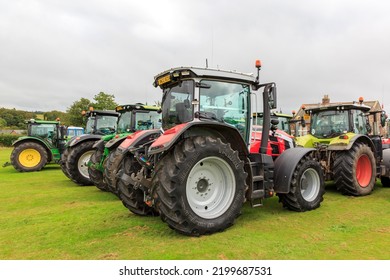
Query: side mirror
[(272, 97), (303, 123), (383, 119)]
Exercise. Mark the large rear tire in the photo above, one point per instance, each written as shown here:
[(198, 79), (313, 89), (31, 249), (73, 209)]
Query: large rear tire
[(200, 186), (64, 159), (95, 175), (113, 164), (355, 170), (385, 182), (77, 163), (307, 187), (28, 157)]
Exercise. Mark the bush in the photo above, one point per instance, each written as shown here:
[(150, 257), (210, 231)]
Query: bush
[(6, 140)]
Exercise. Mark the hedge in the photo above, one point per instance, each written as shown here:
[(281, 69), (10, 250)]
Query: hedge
[(6, 140)]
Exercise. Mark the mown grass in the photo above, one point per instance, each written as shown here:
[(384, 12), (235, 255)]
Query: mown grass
[(44, 215)]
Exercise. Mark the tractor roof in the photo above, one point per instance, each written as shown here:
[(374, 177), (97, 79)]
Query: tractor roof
[(339, 106), (102, 113), (276, 114), (173, 75), (33, 121), (137, 106)]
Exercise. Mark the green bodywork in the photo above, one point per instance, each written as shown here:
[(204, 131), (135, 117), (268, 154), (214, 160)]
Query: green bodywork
[(342, 142), (129, 121), (47, 134)]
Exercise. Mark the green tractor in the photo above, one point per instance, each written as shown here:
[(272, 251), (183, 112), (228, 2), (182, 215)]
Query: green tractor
[(44, 143), (132, 118), (348, 147), (78, 150)]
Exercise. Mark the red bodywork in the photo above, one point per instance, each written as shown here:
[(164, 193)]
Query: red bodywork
[(277, 143), (132, 138), (167, 137)]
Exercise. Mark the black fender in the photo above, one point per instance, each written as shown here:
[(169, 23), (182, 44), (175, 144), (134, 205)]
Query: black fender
[(82, 138), (115, 142), (195, 128), (99, 145), (285, 165), (386, 160)]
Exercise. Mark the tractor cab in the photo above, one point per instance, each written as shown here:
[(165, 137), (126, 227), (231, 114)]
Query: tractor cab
[(337, 120), (101, 122), (136, 117), (218, 99)]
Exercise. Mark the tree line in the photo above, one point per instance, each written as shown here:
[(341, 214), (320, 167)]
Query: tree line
[(15, 119)]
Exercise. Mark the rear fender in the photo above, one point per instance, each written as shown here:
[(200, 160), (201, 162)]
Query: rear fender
[(99, 145), (386, 162), (199, 128), (116, 141), (347, 144), (285, 166), (138, 139), (82, 138)]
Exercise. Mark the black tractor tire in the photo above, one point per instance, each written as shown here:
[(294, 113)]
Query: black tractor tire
[(132, 198), (355, 170), (385, 182), (28, 157), (307, 187), (77, 163), (113, 164), (95, 175), (200, 186), (64, 158)]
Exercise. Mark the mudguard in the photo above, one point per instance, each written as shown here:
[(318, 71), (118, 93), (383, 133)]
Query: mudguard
[(285, 165), (386, 159), (99, 145), (217, 129), (44, 142), (138, 138), (85, 137), (348, 143), (116, 141)]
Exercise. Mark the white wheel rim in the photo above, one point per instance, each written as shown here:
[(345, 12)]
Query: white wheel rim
[(210, 187), (82, 164), (310, 184)]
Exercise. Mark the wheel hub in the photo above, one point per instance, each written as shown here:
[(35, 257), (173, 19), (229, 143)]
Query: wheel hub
[(210, 187), (202, 185)]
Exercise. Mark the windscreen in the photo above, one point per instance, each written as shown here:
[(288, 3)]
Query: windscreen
[(176, 104), (226, 102)]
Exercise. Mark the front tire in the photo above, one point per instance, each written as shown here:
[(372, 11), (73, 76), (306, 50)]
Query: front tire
[(113, 164), (64, 158), (131, 197), (307, 187), (95, 175), (77, 163), (28, 157), (355, 170), (200, 186)]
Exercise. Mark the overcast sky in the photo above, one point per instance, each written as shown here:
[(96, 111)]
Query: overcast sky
[(55, 52)]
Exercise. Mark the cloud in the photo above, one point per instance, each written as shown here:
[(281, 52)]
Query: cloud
[(55, 52)]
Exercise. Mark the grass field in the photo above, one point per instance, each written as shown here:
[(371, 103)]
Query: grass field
[(44, 215)]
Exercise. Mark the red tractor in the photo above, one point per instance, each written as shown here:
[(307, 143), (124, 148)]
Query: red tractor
[(198, 171)]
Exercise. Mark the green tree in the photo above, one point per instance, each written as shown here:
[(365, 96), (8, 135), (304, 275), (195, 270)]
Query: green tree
[(75, 116), (3, 123), (104, 101), (53, 115)]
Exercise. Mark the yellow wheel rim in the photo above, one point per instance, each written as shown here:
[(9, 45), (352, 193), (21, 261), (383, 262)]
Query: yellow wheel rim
[(29, 158)]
